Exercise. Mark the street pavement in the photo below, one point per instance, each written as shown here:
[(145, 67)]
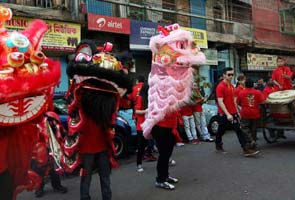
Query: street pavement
[(203, 175)]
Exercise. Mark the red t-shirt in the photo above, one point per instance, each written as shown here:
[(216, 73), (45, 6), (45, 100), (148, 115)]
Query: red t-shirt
[(135, 92), (139, 117), (197, 108), (170, 121), (186, 111), (179, 119), (249, 100), (92, 138), (277, 76), (267, 90), (226, 91), (238, 90)]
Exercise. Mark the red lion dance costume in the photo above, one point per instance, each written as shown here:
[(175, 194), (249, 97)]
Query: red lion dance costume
[(27, 80)]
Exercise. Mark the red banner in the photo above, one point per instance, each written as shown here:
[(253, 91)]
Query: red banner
[(108, 24)]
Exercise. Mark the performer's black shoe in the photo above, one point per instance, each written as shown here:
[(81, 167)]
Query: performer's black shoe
[(60, 189), (39, 193)]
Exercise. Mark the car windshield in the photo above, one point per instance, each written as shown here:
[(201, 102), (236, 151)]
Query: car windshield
[(60, 106)]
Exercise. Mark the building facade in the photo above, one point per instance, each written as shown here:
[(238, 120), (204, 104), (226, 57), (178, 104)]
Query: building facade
[(231, 33)]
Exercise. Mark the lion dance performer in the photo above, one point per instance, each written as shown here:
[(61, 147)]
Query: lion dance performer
[(170, 81), (27, 80), (98, 82)]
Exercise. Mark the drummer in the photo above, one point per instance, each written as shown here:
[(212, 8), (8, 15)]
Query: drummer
[(282, 75), (269, 88)]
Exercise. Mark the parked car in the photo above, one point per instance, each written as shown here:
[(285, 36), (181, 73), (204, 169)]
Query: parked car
[(210, 110), (125, 132)]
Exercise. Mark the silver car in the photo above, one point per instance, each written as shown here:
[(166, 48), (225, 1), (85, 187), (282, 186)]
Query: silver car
[(210, 110)]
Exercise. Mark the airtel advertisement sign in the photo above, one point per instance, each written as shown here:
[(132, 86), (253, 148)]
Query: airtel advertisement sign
[(108, 24)]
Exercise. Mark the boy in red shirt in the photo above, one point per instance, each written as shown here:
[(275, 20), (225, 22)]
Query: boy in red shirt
[(249, 100), (140, 110), (189, 124), (269, 88), (228, 115), (241, 84)]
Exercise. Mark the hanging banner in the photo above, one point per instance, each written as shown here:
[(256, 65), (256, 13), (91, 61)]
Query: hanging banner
[(211, 57), (61, 36), (261, 61), (108, 24), (200, 36), (140, 34)]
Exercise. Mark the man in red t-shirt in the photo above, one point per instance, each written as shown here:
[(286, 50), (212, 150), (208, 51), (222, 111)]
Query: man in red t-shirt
[(136, 88), (282, 75), (241, 84), (250, 100), (228, 115)]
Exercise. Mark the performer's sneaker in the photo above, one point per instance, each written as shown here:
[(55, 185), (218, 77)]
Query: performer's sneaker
[(172, 180), (149, 158), (164, 185), (60, 189), (39, 193), (250, 152), (172, 162)]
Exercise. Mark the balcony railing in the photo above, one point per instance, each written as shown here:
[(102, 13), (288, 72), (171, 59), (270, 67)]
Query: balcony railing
[(54, 4)]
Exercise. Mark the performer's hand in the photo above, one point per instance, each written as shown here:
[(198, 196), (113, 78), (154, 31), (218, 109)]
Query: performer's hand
[(230, 117)]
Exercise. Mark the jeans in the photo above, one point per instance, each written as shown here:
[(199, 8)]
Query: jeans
[(235, 124), (141, 144), (101, 162), (250, 127), (6, 188), (165, 142), (200, 121), (189, 127), (54, 177)]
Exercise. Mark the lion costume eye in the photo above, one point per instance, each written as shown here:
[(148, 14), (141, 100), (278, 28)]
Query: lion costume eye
[(182, 44), (82, 57)]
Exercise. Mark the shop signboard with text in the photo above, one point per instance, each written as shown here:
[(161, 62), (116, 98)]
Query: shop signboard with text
[(200, 36), (108, 24), (211, 57), (140, 35), (261, 61), (61, 36)]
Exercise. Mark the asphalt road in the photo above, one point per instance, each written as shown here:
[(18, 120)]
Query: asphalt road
[(203, 174)]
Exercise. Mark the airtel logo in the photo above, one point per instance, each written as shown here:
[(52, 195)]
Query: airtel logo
[(101, 22)]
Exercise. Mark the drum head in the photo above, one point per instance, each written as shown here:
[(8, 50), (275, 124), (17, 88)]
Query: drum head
[(281, 97)]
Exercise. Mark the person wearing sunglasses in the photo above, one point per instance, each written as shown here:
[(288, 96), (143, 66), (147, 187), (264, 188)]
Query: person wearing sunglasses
[(228, 115)]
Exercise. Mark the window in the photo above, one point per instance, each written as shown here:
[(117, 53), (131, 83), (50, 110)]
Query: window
[(287, 21)]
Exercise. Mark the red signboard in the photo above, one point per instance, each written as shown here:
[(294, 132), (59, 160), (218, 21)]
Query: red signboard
[(108, 24)]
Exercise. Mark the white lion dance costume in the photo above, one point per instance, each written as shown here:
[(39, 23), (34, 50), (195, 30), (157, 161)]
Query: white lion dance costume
[(171, 76)]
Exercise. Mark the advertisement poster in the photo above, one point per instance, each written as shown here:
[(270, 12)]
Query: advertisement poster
[(61, 36), (261, 61), (140, 35)]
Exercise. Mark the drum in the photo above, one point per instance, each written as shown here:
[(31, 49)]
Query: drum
[(281, 105)]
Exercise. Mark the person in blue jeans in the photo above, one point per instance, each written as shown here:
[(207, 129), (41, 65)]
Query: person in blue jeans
[(103, 167)]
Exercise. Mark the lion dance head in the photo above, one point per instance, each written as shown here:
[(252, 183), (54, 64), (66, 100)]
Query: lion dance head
[(27, 81), (171, 77)]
